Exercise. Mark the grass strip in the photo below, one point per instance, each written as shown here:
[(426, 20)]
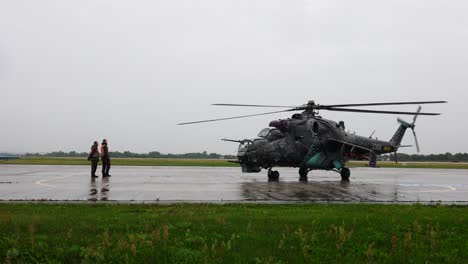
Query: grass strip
[(211, 163), (238, 233), (123, 162)]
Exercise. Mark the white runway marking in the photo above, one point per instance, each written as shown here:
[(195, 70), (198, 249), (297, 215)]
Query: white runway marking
[(443, 188), (42, 182)]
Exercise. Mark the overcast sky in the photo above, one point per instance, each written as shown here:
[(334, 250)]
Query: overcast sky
[(72, 72)]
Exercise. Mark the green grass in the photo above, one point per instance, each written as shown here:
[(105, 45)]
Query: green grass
[(210, 163), (101, 233), (123, 162)]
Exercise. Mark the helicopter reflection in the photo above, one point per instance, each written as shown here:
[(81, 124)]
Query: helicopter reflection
[(319, 191), (343, 182), (94, 190)]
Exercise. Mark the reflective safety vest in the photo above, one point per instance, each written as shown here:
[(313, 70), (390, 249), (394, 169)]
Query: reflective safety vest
[(104, 151), (94, 151)]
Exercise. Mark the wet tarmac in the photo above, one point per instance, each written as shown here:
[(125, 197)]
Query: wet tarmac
[(203, 184)]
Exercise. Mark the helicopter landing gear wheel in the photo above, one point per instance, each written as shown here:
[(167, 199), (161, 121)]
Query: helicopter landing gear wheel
[(303, 171), (273, 175), (345, 173)]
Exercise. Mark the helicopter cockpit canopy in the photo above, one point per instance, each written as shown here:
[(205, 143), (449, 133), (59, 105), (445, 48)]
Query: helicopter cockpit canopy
[(270, 134), (264, 132), (244, 146)]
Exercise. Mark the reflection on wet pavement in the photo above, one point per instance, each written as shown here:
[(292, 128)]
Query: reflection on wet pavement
[(94, 194), (203, 184), (312, 191), (92, 190), (105, 188)]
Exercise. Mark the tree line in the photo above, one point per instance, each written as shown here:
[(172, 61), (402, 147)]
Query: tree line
[(129, 154), (457, 157)]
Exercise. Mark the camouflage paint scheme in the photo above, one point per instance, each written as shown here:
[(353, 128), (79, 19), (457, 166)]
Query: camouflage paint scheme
[(311, 142)]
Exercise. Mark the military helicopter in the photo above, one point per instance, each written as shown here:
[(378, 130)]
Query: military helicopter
[(309, 142)]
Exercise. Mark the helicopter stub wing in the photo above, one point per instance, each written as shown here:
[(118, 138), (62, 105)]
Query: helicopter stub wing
[(352, 150)]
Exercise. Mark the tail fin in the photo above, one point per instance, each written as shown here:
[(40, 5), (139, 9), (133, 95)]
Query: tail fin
[(398, 136)]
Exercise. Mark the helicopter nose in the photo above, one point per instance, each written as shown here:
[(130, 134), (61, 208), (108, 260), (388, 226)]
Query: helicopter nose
[(246, 158), (247, 153), (258, 153), (243, 158)]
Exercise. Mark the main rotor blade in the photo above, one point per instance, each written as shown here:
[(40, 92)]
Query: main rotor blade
[(390, 103), (249, 105), (378, 111), (235, 117)]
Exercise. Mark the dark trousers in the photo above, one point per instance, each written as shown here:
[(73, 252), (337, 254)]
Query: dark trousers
[(94, 163), (105, 166)]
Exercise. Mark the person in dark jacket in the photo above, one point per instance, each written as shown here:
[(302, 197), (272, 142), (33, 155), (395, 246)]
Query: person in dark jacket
[(94, 158), (105, 157)]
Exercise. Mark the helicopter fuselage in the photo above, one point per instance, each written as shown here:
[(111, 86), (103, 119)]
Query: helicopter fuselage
[(312, 143)]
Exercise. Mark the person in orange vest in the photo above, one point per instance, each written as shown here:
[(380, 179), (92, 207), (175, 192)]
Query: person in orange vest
[(94, 158), (105, 157)]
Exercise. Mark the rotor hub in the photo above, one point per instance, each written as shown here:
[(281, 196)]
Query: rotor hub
[(310, 109)]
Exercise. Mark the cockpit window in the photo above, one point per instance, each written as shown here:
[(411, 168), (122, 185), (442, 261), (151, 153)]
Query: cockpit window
[(275, 134), (244, 146), (271, 134), (264, 133)]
